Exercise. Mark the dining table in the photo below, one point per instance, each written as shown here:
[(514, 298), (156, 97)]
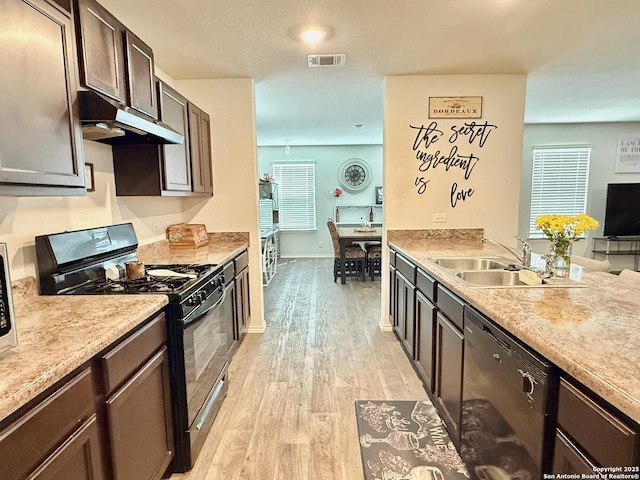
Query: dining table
[(348, 235)]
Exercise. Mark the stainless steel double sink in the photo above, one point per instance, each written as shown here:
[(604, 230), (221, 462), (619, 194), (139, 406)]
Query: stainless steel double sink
[(494, 272)]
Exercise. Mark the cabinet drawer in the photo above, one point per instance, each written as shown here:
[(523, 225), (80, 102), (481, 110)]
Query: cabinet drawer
[(407, 268), (392, 257), (133, 352), (604, 438), (30, 440), (450, 305), (426, 284), (241, 261), (229, 272)]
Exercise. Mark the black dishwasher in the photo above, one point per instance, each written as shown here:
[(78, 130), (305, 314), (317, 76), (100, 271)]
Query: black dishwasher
[(506, 404)]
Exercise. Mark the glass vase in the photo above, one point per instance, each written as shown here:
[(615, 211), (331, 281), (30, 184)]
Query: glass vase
[(562, 266), (562, 260)]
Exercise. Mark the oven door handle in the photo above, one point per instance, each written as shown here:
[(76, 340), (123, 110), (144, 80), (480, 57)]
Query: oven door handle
[(198, 313)]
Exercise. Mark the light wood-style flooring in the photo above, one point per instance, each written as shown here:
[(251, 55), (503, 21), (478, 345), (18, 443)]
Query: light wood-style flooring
[(289, 412)]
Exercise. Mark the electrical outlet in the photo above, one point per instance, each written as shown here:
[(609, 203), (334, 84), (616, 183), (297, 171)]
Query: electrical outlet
[(156, 227), (320, 244), (439, 217)]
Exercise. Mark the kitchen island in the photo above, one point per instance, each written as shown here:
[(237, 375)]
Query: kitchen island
[(591, 333), (582, 330)]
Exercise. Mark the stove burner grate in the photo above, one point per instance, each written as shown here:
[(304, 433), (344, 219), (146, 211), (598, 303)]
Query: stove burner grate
[(141, 285)]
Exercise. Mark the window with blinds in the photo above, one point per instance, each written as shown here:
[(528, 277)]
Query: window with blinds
[(296, 195), (559, 182)]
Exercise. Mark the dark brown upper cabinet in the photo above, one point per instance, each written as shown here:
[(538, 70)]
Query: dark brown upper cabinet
[(200, 147), (141, 78), (40, 137), (166, 170), (177, 162), (114, 61), (101, 52)]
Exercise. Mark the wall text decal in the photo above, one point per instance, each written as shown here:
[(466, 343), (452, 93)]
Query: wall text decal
[(452, 157)]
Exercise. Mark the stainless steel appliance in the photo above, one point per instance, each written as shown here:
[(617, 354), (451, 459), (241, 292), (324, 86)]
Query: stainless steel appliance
[(199, 316), (8, 336), (506, 404)]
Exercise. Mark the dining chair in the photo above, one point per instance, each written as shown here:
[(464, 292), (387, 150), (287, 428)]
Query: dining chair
[(630, 276), (374, 259), (354, 256), (591, 264)]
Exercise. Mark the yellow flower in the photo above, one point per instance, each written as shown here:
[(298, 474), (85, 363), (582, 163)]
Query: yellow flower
[(562, 230)]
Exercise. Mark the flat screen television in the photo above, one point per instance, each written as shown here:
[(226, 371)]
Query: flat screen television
[(622, 213)]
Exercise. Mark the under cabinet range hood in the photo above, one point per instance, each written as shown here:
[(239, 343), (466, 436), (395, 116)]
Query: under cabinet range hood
[(103, 120)]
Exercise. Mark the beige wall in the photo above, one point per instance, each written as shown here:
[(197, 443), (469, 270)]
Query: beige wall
[(495, 178), (23, 218), (234, 206)]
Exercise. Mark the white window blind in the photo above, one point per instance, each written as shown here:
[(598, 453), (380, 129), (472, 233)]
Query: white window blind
[(296, 195), (558, 182)]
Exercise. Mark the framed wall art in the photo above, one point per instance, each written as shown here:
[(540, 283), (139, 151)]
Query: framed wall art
[(89, 180)]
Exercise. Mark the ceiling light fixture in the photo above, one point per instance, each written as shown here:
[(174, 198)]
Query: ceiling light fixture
[(359, 125), (310, 33)]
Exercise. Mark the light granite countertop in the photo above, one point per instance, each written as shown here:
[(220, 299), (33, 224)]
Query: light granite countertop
[(592, 333), (57, 334)]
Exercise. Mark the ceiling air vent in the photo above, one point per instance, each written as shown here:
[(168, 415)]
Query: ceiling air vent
[(331, 60)]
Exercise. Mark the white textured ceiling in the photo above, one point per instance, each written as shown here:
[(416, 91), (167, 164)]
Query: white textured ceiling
[(580, 56)]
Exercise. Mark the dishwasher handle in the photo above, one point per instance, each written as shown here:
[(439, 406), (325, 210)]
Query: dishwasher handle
[(529, 383)]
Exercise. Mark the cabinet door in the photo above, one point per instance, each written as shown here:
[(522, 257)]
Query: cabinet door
[(141, 78), (139, 421), (243, 312), (405, 292), (200, 148), (393, 302), (449, 362), (177, 166), (78, 459), (40, 137), (568, 459), (400, 312), (425, 339), (102, 59), (47, 427)]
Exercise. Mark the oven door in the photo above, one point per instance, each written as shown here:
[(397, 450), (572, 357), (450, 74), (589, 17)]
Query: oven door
[(207, 335)]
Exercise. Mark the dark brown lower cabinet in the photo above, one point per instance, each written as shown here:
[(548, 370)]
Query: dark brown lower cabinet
[(57, 437), (405, 298), (111, 419), (591, 433), (425, 315), (392, 291), (449, 362), (243, 304), (568, 459), (139, 417), (137, 403), (79, 458)]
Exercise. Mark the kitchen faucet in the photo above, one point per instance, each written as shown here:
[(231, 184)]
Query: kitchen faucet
[(524, 258)]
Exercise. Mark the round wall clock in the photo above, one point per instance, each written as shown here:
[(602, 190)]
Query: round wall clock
[(354, 175)]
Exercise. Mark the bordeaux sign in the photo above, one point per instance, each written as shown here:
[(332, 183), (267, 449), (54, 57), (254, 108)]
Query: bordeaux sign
[(455, 107)]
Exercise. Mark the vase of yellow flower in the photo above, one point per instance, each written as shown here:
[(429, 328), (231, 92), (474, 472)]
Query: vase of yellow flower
[(562, 231)]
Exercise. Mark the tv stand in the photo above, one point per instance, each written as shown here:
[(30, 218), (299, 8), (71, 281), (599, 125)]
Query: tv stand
[(604, 247)]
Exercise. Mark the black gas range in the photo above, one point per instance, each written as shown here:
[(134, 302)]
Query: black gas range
[(199, 316)]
